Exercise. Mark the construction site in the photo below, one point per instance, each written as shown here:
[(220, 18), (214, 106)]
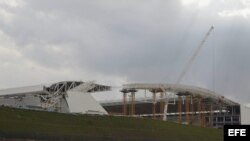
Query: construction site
[(183, 104), (175, 102)]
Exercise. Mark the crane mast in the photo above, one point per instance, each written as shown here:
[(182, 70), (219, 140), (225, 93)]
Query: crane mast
[(186, 68)]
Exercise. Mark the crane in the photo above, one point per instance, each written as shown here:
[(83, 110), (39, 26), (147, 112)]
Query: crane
[(186, 68)]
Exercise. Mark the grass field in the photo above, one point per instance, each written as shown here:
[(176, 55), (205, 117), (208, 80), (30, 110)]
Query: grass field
[(26, 124)]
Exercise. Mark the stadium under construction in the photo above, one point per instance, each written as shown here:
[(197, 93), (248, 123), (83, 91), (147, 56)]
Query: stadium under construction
[(178, 103)]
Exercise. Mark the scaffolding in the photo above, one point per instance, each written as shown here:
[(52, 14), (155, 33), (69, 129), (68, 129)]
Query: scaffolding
[(188, 105)]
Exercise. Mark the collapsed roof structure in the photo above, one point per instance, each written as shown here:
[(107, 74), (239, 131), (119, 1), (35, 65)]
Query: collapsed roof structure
[(65, 97), (185, 104)]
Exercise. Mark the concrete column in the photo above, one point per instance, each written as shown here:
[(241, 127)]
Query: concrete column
[(162, 104), (132, 103), (154, 105), (199, 110), (192, 108), (124, 109), (187, 109), (211, 116), (180, 108)]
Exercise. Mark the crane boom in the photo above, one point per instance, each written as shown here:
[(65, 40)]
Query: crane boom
[(187, 66), (190, 62)]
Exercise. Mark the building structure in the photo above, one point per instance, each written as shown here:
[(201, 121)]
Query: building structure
[(64, 97), (185, 104)]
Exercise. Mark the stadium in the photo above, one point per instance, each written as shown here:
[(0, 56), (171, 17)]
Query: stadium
[(178, 103)]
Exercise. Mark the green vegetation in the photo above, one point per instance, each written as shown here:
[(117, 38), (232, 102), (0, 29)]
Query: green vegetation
[(26, 124)]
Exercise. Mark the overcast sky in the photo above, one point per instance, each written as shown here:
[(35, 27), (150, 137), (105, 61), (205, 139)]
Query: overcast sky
[(122, 41)]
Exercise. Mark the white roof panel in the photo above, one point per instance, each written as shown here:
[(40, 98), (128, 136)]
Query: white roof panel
[(22, 90), (80, 102)]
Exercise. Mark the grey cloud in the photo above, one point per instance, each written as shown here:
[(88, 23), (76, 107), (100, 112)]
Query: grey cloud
[(145, 41)]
